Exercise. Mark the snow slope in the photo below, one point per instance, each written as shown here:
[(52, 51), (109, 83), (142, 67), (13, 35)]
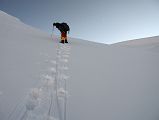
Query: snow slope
[(24, 52), (115, 82)]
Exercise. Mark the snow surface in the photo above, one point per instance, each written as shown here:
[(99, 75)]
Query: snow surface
[(110, 82)]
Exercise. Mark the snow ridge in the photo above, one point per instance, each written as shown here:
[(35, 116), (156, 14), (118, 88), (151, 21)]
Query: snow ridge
[(8, 17), (48, 101)]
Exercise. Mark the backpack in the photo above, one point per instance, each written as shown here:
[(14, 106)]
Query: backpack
[(66, 27)]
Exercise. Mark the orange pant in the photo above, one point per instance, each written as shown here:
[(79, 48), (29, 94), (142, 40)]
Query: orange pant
[(63, 38)]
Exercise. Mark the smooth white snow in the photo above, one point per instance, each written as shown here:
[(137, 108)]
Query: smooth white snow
[(1, 92), (114, 82)]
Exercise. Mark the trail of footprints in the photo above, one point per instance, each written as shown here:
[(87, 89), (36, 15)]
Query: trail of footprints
[(49, 100)]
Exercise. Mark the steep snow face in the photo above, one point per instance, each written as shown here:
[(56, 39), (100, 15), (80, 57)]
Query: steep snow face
[(106, 82), (24, 52)]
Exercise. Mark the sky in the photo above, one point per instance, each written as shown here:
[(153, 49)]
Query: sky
[(104, 21)]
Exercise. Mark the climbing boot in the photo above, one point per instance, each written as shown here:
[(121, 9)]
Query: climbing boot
[(66, 41), (62, 41)]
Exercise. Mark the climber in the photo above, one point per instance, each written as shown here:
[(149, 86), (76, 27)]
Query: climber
[(64, 28)]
